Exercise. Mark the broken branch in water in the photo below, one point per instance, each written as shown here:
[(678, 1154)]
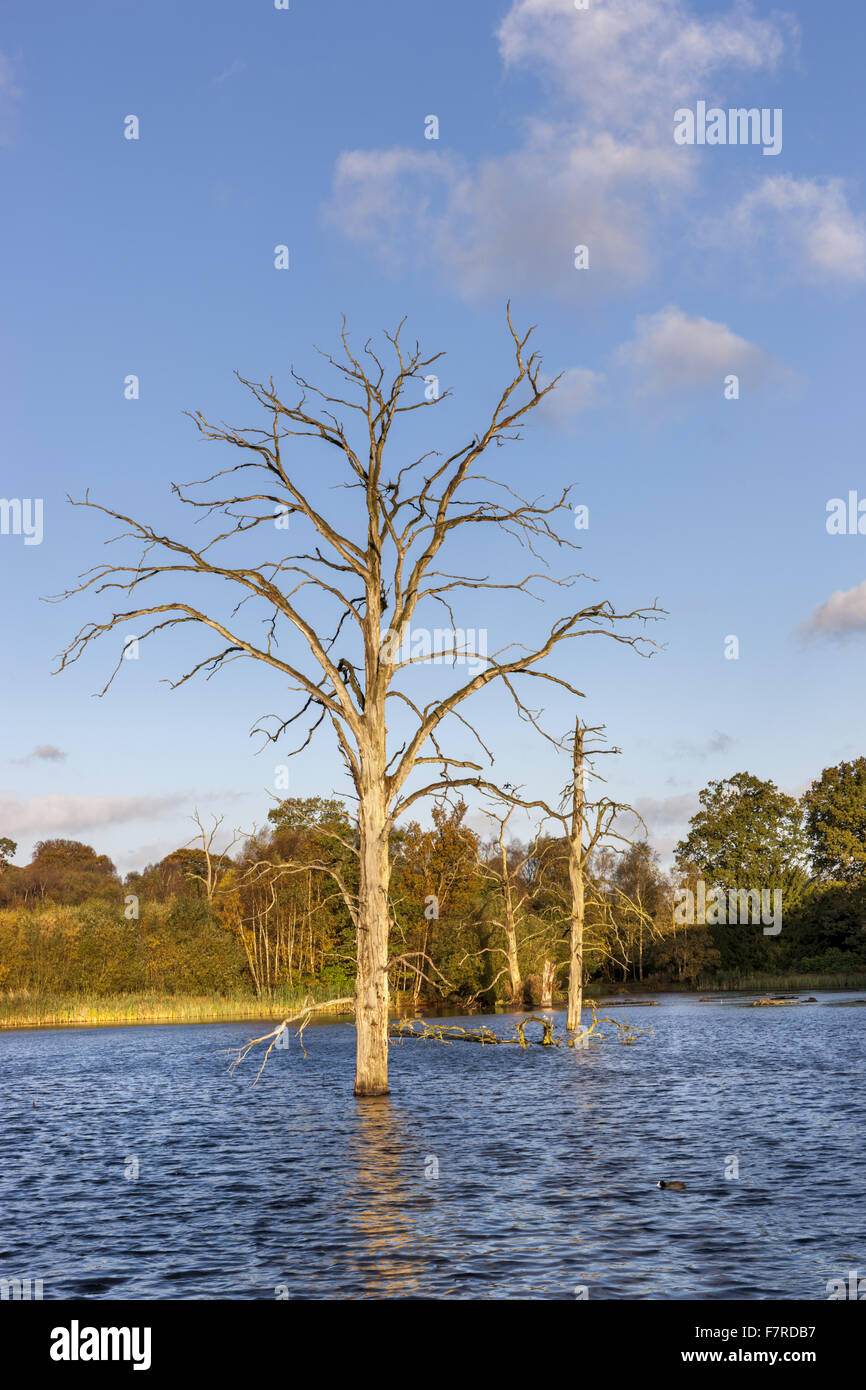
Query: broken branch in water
[(303, 1016), (443, 1032), (450, 1033)]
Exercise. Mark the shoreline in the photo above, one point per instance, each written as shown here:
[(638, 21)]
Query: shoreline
[(117, 1013), (122, 1011)]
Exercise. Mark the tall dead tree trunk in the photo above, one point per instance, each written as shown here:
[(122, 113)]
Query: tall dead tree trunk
[(515, 981), (382, 559), (371, 980), (576, 865)]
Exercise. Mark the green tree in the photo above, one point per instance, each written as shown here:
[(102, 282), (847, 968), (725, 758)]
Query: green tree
[(835, 811), (312, 813), (7, 851), (826, 930), (748, 834)]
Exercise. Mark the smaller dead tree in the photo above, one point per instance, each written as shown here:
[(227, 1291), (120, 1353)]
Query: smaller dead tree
[(502, 871), (216, 864), (586, 824), (509, 869)]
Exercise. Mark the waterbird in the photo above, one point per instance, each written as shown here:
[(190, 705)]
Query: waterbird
[(673, 1186)]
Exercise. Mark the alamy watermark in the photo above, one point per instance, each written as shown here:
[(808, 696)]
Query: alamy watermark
[(22, 516), (737, 126), (731, 906), (77, 1343), (20, 1290), (435, 646), (846, 516), (854, 1289)]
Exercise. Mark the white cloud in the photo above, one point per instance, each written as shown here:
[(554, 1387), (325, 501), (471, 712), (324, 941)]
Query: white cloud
[(512, 222), (599, 174), (842, 613), (39, 815), (578, 389), (393, 199), (631, 62), (673, 351), (668, 811), (808, 222)]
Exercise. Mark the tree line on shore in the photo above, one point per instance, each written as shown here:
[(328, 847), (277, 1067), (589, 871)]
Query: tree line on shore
[(475, 918)]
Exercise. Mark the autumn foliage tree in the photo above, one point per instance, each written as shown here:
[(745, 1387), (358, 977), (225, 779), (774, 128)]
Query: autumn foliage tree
[(283, 899), (434, 896)]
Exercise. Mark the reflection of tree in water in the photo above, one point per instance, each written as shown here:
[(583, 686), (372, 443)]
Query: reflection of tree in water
[(386, 1197)]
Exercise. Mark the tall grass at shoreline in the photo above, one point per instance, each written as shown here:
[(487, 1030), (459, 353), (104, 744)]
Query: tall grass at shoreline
[(25, 1010)]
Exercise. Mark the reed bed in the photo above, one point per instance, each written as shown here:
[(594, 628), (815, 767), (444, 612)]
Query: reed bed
[(47, 1011)]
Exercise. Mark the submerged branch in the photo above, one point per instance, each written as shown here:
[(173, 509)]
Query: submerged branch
[(451, 1033), (442, 1032)]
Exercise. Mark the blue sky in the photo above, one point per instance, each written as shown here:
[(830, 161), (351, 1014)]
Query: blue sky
[(306, 127)]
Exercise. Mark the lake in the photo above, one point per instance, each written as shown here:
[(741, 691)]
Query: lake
[(547, 1162)]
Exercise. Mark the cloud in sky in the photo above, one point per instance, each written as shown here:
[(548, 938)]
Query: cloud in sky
[(662, 813), (578, 389), (808, 222), (675, 351), (511, 221), (45, 753), (599, 173), (717, 742), (631, 62), (842, 614), (665, 818), (56, 815)]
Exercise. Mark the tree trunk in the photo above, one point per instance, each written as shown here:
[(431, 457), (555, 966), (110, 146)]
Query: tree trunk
[(575, 874), (547, 985), (371, 985), (575, 964), (510, 925), (514, 975)]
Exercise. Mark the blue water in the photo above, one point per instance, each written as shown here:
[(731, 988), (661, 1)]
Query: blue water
[(547, 1162)]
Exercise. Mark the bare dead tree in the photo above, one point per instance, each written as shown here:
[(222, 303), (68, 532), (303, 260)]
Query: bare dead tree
[(585, 825), (216, 863), (622, 914), (507, 875), (346, 662)]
